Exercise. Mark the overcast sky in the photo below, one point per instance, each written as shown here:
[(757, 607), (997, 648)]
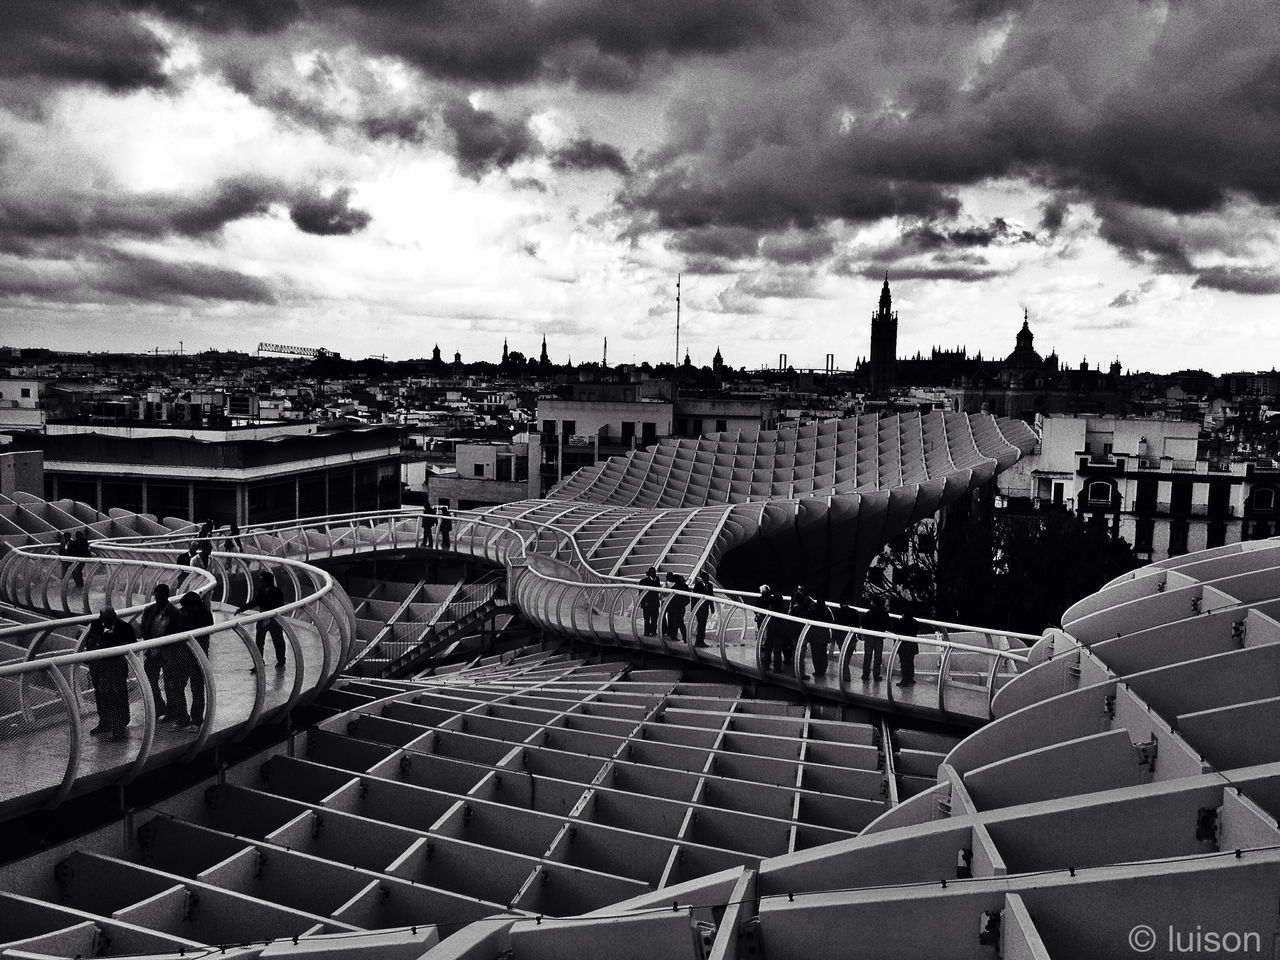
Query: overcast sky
[(377, 176)]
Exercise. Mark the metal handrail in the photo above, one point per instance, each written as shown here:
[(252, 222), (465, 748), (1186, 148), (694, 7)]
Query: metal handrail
[(317, 600)]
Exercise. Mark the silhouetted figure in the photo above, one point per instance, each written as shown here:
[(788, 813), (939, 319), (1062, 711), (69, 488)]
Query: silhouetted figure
[(877, 618), (907, 626), (232, 543), (429, 527), (204, 555), (650, 601), (819, 638), (268, 597), (771, 637), (849, 617), (160, 619), (703, 610), (186, 667), (79, 548), (446, 527), (677, 604), (111, 675), (206, 530)]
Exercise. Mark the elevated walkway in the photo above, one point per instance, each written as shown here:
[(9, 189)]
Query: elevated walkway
[(56, 718)]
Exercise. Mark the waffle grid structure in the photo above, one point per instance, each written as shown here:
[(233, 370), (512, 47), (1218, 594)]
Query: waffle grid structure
[(818, 501)]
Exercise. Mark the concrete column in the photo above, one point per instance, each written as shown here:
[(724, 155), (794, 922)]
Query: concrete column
[(191, 502)]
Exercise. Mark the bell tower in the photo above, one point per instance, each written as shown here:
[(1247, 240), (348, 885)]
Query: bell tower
[(884, 342)]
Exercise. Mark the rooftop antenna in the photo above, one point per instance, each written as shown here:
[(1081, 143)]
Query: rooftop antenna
[(677, 359)]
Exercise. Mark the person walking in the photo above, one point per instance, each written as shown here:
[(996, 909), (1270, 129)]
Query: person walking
[(79, 548), (650, 601), (429, 527), (160, 619), (877, 618), (110, 676), (232, 543), (702, 585), (187, 670), (677, 604), (268, 597), (446, 527), (907, 626)]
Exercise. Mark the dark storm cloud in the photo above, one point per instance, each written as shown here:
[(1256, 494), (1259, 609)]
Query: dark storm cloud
[(1240, 280), (587, 154), (82, 42), (327, 216), (116, 277), (138, 278), (221, 16), (32, 218), (965, 272), (1172, 107), (484, 142), (593, 42), (797, 248)]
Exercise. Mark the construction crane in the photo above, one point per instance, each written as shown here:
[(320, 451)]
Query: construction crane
[(290, 351)]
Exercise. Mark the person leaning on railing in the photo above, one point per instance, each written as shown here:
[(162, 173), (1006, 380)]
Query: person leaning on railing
[(907, 626), (702, 585), (160, 619), (877, 619), (184, 667), (110, 676), (650, 600)]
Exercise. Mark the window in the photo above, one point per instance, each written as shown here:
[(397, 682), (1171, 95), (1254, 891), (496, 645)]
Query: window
[(1099, 492), (549, 428), (1264, 498), (479, 469), (697, 428), (26, 393), (570, 427), (1058, 491), (628, 430), (1143, 534), (1177, 537), (1217, 535), (722, 426)]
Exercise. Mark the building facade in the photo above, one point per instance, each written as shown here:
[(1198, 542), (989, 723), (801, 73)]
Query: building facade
[(1144, 481), (252, 476)]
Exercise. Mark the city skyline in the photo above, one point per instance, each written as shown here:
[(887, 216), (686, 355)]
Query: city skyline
[(376, 179)]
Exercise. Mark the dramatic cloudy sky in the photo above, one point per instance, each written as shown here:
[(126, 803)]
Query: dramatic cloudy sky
[(377, 176)]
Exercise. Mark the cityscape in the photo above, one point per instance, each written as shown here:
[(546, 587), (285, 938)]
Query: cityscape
[(655, 480)]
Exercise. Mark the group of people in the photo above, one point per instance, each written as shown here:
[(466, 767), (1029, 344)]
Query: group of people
[(779, 637), (78, 547), (173, 672), (433, 519), (674, 626)]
